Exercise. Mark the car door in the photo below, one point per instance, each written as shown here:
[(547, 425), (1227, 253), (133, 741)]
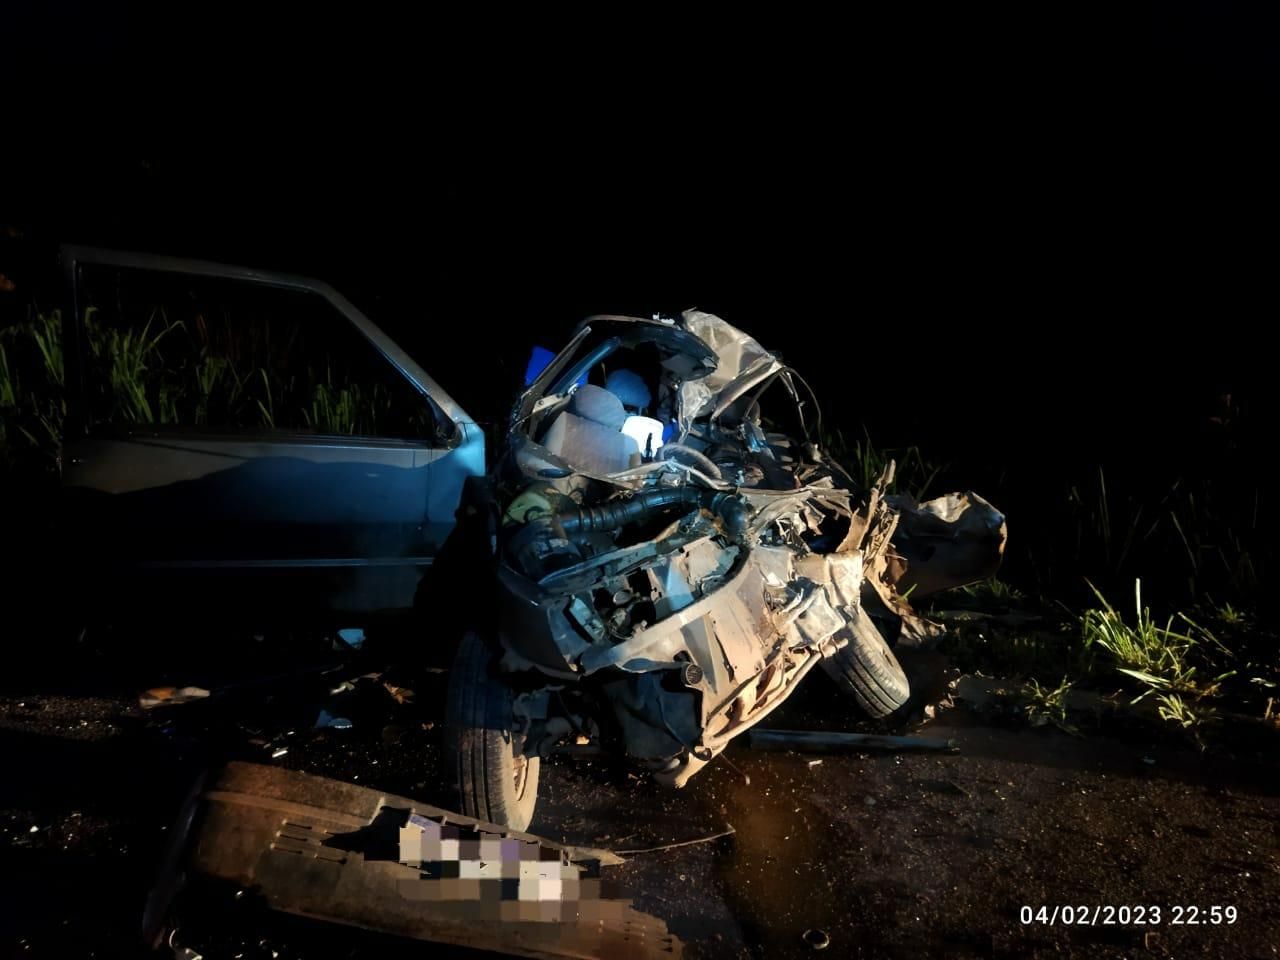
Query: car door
[(220, 417)]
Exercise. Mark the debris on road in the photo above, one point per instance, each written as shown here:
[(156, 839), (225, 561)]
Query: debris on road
[(817, 939), (402, 695), (266, 684), (170, 696), (333, 851), (825, 742), (326, 720), (727, 832)]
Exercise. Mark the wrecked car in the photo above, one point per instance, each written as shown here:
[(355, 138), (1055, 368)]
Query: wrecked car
[(671, 553)]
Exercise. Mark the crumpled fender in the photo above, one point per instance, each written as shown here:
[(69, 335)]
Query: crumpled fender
[(948, 542)]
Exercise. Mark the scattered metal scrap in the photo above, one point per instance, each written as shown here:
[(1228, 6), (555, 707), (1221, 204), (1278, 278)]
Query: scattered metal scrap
[(829, 742), (170, 696), (727, 832), (173, 696), (333, 851)]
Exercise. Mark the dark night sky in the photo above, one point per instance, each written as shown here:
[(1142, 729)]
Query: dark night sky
[(1041, 236)]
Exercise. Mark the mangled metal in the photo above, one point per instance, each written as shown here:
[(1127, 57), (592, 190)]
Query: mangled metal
[(339, 852), (947, 542), (665, 600)]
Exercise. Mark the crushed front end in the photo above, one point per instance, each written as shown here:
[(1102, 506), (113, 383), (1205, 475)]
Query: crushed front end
[(670, 565)]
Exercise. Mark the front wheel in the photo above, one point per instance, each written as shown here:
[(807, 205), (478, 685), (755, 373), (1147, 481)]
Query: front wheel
[(866, 669), (494, 782)]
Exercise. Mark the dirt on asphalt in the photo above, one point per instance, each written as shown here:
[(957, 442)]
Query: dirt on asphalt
[(887, 854)]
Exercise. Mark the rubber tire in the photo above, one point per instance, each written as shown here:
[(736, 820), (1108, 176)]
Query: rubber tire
[(478, 743), (866, 669)]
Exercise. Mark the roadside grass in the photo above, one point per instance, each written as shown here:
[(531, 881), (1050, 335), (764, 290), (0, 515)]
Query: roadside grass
[(162, 372), (32, 398), (1185, 536), (1179, 663), (8, 395), (990, 594), (1231, 617), (1045, 704), (133, 365), (1157, 656), (1205, 537), (1192, 676), (1193, 669), (1196, 535), (1044, 652), (865, 462)]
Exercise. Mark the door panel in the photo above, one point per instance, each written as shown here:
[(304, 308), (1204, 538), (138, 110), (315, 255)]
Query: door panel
[(186, 497), (226, 417)]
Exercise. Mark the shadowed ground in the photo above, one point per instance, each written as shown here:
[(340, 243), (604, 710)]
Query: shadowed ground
[(891, 855)]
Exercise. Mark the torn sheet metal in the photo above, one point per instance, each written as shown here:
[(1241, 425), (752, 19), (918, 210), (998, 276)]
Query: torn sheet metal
[(839, 573), (947, 542), (742, 363), (819, 619), (685, 597), (170, 696), (335, 851)]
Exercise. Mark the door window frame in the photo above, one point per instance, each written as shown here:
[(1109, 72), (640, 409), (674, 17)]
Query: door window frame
[(448, 415)]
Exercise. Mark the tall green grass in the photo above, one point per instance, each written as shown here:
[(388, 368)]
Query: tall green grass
[(1160, 657), (346, 409), (135, 368), (162, 372), (866, 462), (32, 396), (1178, 663), (8, 386), (1186, 536)]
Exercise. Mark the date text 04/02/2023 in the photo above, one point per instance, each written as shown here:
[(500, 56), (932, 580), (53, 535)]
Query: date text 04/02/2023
[(1126, 915)]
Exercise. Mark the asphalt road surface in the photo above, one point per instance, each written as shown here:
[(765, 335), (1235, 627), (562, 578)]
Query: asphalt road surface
[(886, 854)]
